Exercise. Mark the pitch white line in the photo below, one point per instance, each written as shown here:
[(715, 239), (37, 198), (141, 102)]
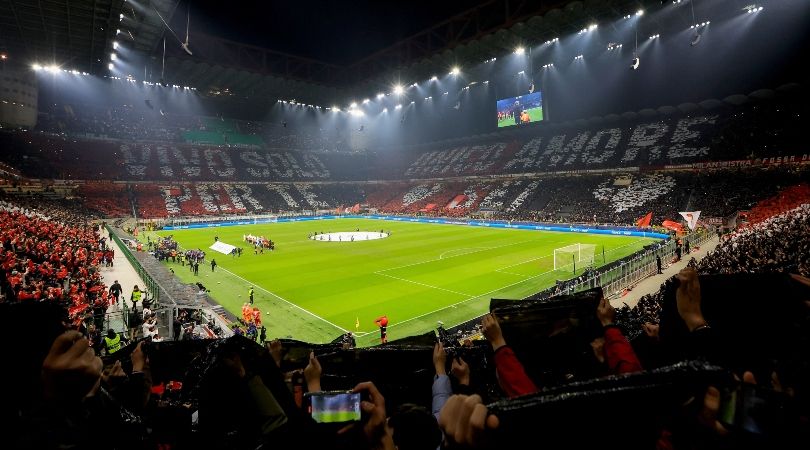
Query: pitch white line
[(455, 256), (463, 248), (471, 298), (512, 273), (521, 263), (492, 291), (283, 300), (423, 284)]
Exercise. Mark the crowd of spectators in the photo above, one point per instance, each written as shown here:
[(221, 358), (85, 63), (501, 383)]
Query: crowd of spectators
[(778, 244), (51, 253)]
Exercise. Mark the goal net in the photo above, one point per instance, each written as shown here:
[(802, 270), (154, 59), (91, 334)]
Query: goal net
[(574, 255)]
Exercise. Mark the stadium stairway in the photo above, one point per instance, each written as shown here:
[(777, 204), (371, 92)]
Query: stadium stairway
[(652, 284), (122, 271)]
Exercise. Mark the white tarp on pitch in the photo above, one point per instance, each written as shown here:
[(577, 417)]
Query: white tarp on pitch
[(222, 247)]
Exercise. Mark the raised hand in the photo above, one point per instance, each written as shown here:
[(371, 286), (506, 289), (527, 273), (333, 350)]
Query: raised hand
[(312, 373), (492, 331), (439, 359), (465, 421), (461, 370), (688, 298), (71, 370)]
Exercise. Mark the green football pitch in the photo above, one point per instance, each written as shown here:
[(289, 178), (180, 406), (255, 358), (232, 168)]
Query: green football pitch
[(422, 273), (536, 114)]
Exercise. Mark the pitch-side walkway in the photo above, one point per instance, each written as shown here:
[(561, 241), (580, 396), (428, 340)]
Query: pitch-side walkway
[(122, 271), (653, 284)]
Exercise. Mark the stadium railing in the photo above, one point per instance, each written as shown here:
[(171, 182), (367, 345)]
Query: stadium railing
[(635, 268)]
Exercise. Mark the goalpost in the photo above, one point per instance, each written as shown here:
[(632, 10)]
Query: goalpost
[(574, 256)]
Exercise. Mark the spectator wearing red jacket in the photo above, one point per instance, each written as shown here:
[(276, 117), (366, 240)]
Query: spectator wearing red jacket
[(618, 352), (512, 376)]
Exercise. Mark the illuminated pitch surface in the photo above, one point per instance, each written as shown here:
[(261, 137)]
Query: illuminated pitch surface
[(422, 273)]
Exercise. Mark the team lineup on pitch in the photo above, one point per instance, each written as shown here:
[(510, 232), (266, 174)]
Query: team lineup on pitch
[(422, 273)]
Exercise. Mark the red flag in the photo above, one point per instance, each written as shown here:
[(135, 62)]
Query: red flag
[(645, 221), (356, 208), (674, 226)]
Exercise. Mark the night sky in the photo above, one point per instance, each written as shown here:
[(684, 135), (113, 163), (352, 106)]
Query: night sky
[(339, 32)]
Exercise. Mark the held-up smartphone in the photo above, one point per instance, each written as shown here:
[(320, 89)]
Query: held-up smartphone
[(753, 409), (333, 406)]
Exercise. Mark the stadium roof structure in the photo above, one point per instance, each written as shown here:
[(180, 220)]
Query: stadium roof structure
[(80, 34)]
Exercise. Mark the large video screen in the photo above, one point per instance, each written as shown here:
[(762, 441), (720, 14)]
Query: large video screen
[(519, 110)]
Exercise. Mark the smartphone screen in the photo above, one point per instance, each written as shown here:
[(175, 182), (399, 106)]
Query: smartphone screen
[(334, 407), (752, 408)]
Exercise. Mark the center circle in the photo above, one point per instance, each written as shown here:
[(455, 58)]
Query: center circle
[(349, 236)]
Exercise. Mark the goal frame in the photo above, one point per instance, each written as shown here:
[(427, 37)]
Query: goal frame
[(570, 256)]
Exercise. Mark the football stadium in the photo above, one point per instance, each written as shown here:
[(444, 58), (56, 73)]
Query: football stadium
[(490, 224)]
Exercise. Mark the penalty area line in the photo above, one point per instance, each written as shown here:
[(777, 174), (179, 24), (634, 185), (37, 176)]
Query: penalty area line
[(284, 300), (494, 290)]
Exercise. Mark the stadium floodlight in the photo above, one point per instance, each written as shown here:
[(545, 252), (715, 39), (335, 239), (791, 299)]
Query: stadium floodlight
[(53, 68), (434, 78), (520, 51), (574, 256), (640, 12), (353, 105), (636, 62), (121, 16), (113, 56), (335, 109), (36, 67), (380, 95), (110, 66), (117, 31), (486, 81), (398, 106), (365, 101), (115, 45), (592, 27), (521, 72), (398, 89), (415, 84), (455, 71), (385, 109)]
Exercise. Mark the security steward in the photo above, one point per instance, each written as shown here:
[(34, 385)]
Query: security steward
[(112, 341)]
